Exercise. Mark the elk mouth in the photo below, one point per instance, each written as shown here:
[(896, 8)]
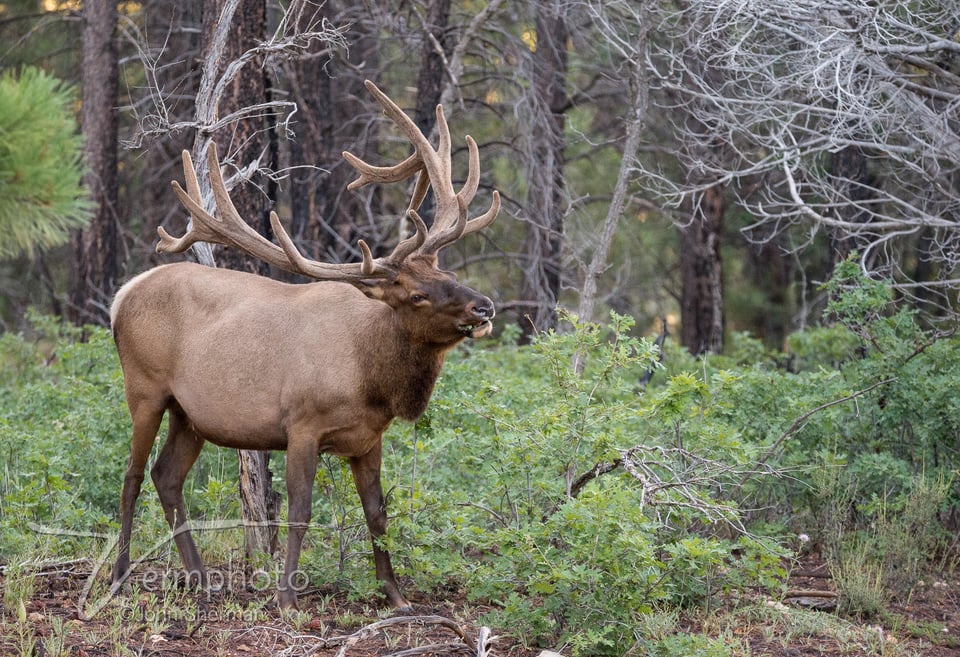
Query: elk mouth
[(477, 330)]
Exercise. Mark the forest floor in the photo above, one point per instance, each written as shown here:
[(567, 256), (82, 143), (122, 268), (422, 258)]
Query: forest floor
[(193, 624)]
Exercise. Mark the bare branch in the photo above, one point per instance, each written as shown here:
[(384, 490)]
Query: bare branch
[(792, 88)]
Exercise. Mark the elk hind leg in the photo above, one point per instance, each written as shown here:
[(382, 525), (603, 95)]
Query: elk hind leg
[(179, 453), (146, 418)]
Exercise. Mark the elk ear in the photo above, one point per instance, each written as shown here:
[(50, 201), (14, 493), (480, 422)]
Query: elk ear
[(373, 288)]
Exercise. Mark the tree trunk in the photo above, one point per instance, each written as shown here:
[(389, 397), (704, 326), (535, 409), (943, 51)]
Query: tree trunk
[(546, 200), (701, 304), (158, 162), (849, 166), (770, 269), (259, 504), (430, 78), (248, 140), (95, 248)]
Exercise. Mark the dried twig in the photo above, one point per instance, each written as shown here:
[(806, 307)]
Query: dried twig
[(347, 641)]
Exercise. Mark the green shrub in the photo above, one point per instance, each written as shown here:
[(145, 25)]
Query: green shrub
[(64, 436), (65, 441), (693, 645), (575, 504)]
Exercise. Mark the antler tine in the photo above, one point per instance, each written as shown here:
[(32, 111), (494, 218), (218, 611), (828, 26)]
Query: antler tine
[(443, 234), (420, 143), (370, 174), (444, 162), (485, 219), (192, 200), (469, 189), (451, 216), (230, 229), (420, 190)]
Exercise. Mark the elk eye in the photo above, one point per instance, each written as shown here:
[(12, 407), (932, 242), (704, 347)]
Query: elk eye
[(418, 298)]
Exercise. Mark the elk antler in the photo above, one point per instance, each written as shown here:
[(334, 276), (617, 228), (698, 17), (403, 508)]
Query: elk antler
[(231, 230), (433, 167)]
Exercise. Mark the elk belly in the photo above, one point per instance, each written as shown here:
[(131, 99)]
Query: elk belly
[(232, 403), (231, 417)]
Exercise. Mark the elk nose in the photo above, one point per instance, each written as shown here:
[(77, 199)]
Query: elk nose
[(482, 308)]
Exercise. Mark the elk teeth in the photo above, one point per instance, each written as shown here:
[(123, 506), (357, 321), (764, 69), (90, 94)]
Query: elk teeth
[(470, 329)]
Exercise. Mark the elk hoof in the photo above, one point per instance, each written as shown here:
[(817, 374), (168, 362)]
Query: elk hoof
[(403, 610), (398, 603)]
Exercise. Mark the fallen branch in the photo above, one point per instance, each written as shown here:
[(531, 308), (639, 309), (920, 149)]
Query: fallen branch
[(347, 641), (432, 649), (809, 593)]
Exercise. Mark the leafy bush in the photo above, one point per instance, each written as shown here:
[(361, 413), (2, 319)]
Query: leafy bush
[(573, 503), (61, 423), (578, 503), (551, 554)]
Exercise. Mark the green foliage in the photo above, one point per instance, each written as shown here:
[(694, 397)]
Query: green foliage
[(549, 485), (856, 300), (692, 645), (860, 582), (879, 547), (41, 197), (562, 499), (822, 347), (62, 418)]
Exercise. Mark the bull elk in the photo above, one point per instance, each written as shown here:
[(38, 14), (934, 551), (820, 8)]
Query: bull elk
[(246, 362)]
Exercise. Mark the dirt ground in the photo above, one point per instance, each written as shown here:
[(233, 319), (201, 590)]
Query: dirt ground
[(193, 624)]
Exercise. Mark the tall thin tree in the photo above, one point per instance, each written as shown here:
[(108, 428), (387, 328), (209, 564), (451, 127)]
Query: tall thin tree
[(95, 247), (250, 141), (546, 204)]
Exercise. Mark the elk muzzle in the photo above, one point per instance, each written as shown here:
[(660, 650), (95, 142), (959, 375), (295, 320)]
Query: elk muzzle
[(481, 311)]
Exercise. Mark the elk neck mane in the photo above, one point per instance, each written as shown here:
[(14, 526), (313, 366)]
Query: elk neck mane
[(401, 377)]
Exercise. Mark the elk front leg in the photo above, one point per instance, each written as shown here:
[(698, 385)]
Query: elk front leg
[(366, 475), (301, 470)]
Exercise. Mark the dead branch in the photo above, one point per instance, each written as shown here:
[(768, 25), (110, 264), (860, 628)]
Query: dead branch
[(809, 593), (347, 641), (800, 422)]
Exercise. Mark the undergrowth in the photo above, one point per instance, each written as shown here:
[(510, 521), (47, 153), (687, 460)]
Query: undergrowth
[(583, 507)]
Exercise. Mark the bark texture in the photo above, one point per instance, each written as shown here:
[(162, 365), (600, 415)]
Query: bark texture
[(701, 270), (546, 202), (95, 248)]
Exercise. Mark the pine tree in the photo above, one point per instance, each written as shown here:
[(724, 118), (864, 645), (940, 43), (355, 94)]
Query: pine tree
[(41, 197)]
